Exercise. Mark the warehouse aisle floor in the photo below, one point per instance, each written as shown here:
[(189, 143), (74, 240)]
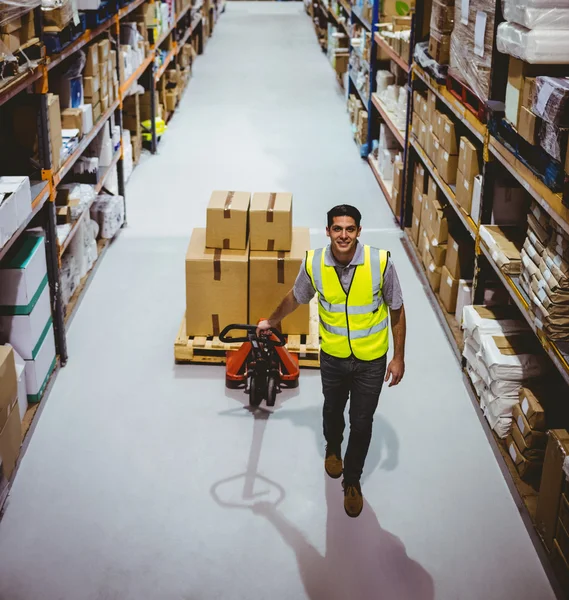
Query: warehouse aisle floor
[(146, 480)]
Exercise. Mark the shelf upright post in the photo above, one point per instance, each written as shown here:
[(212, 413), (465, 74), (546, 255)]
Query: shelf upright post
[(52, 247), (372, 70), (119, 120)]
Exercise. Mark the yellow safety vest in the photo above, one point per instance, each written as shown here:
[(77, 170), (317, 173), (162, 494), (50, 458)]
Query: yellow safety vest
[(354, 323)]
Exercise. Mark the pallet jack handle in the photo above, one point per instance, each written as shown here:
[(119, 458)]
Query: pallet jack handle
[(276, 337)]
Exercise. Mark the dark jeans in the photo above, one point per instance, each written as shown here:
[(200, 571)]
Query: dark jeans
[(361, 381)]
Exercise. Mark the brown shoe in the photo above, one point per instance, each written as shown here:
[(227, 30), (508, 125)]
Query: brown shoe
[(333, 463), (353, 499)]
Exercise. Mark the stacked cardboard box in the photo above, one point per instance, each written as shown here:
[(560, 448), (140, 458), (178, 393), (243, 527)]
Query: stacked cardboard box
[(250, 253), (17, 32), (10, 425), (458, 269), (277, 251), (15, 205), (25, 310), (442, 24), (468, 170), (552, 514)]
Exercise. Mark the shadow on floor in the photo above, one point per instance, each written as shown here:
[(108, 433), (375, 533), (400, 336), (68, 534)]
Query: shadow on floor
[(361, 559)]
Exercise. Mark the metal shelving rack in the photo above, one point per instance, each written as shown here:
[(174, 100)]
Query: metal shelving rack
[(44, 183)]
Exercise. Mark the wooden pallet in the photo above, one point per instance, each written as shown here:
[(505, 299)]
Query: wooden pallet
[(209, 350)]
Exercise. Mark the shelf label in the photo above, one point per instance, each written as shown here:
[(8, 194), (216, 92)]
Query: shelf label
[(480, 33), (465, 7)]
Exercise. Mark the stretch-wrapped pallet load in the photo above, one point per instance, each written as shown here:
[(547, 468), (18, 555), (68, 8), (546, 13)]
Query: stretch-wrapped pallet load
[(471, 45), (545, 274), (502, 355), (537, 14)]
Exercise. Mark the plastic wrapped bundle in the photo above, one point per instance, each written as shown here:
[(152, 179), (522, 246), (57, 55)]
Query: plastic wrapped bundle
[(12, 9), (471, 45), (535, 46), (442, 16), (108, 212), (77, 249), (553, 140), (91, 251), (383, 80), (537, 14), (552, 100), (69, 277)]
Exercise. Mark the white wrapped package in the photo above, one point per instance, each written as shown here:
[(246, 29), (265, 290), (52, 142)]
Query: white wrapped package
[(69, 277), (477, 320), (535, 46), (470, 352), (501, 425), (537, 14), (512, 357), (383, 80), (500, 406), (77, 248), (108, 212)]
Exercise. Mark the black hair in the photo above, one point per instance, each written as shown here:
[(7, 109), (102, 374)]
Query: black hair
[(344, 210)]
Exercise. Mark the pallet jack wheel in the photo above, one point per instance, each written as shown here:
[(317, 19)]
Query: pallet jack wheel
[(272, 391), (255, 393)]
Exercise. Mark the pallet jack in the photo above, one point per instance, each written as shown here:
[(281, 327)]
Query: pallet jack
[(262, 364)]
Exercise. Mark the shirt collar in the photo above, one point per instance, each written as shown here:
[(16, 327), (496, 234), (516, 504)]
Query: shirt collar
[(358, 258)]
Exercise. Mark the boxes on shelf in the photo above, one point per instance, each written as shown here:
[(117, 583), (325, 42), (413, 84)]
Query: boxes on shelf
[(270, 221), (439, 47), (460, 257), (212, 277), (271, 275), (15, 205), (448, 291), (10, 426), (434, 276), (528, 470), (228, 220), (395, 200), (448, 166), (551, 485)]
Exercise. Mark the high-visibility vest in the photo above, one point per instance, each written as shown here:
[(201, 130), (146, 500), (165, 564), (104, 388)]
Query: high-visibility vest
[(357, 322)]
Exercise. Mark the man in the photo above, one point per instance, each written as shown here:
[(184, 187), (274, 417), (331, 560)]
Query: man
[(355, 284)]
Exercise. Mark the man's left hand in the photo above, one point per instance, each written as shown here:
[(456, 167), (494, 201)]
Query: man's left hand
[(395, 371)]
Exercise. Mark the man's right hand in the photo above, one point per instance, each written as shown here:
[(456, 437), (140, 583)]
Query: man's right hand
[(263, 327)]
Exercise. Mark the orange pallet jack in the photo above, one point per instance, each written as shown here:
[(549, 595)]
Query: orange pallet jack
[(262, 364)]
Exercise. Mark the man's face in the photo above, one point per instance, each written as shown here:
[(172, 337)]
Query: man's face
[(343, 234)]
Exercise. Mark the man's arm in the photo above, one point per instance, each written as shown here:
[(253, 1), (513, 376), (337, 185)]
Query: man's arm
[(287, 305), (396, 367)]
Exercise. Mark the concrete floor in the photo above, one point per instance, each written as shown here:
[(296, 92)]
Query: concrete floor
[(147, 480)]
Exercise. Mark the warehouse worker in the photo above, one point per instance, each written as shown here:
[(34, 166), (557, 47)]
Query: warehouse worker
[(355, 284)]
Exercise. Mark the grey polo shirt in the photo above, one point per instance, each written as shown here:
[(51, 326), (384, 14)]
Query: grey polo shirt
[(304, 290)]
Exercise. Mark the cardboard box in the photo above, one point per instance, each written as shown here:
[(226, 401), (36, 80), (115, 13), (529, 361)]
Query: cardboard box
[(8, 219), (431, 106), (533, 454), (271, 221), (448, 290), (532, 439), (424, 247), (10, 442), (438, 224), (228, 220), (528, 470), (11, 40), (104, 103), (96, 112), (463, 192), (532, 409), (14, 24), (415, 227), (435, 157), (560, 566), (94, 99), (419, 179), (23, 331), (424, 114), (431, 144), (397, 176), (104, 70), (447, 135), (439, 48), (171, 100), (416, 125), (8, 382), (468, 159), (21, 275), (22, 393), (216, 286), (271, 276), (86, 117), (92, 61), (18, 195), (28, 29), (448, 166), (551, 485), (39, 370), (104, 88), (426, 210), (417, 203), (434, 277), (91, 85), (528, 126), (422, 135), (513, 104), (460, 257), (104, 50), (433, 191), (476, 199), (72, 118), (528, 94)]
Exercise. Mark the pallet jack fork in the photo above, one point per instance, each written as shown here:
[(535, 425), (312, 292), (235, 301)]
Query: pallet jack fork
[(262, 364)]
